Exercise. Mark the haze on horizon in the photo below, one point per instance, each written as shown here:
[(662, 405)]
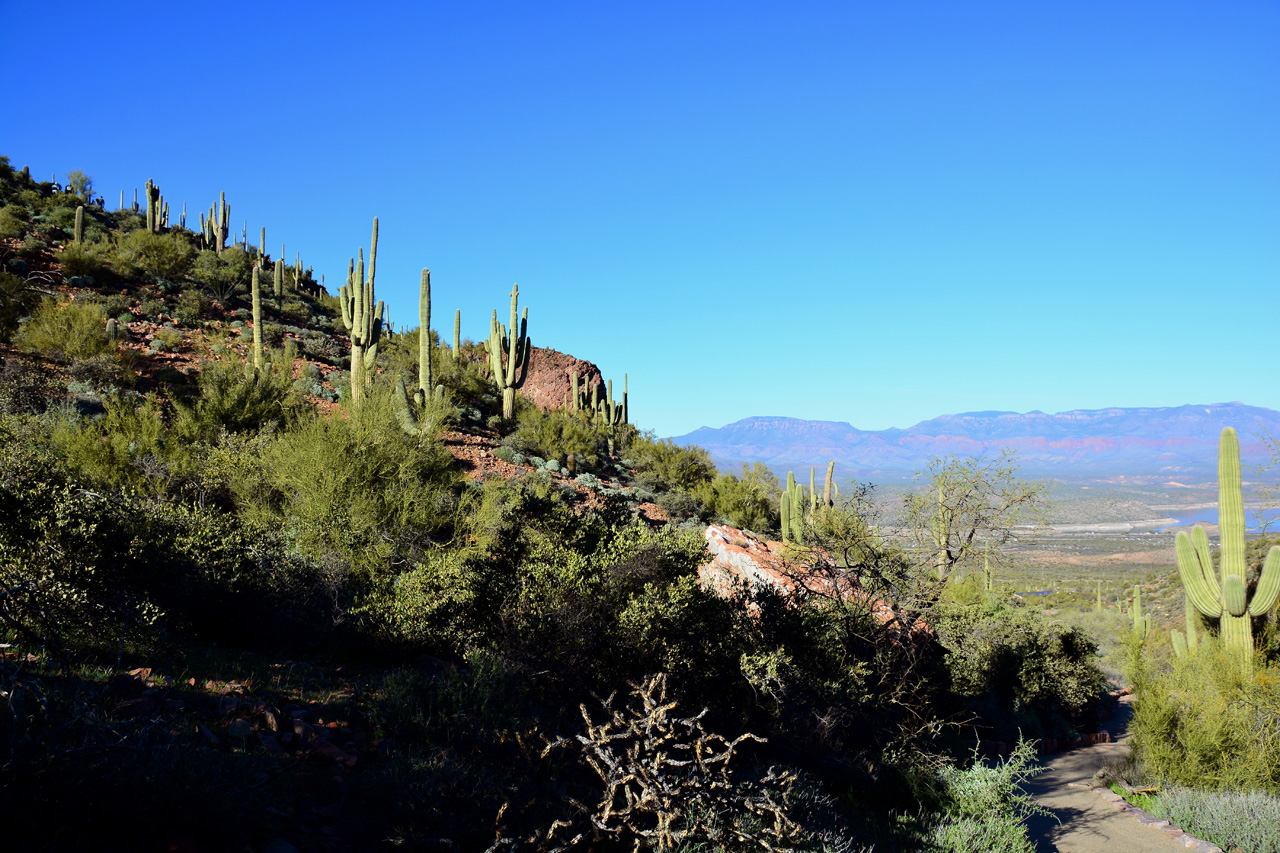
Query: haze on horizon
[(870, 213)]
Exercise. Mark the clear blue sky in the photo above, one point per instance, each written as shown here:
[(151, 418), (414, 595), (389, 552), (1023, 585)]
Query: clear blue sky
[(873, 212)]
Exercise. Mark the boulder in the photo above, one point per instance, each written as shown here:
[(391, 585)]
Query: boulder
[(740, 558)]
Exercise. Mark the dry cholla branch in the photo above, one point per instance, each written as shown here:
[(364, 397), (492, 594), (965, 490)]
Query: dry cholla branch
[(667, 779)]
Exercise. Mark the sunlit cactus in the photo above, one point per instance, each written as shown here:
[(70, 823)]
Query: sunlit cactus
[(1226, 597), (509, 354)]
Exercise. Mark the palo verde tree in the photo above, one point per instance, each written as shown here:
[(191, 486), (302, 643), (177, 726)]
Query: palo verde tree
[(969, 504)]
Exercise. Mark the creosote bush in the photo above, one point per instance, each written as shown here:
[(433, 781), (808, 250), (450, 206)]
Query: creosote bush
[(66, 330), (166, 256)]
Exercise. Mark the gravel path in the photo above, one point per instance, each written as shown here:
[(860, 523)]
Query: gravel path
[(1082, 821)]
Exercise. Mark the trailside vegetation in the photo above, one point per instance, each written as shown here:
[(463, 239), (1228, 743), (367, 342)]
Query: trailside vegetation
[(245, 578)]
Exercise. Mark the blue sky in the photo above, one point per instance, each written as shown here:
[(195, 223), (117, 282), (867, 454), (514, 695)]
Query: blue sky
[(866, 212)]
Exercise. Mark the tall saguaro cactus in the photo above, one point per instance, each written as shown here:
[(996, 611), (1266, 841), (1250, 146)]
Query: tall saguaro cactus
[(413, 414), (79, 232), (362, 317), (506, 343), (1226, 599), (153, 207), (258, 361)]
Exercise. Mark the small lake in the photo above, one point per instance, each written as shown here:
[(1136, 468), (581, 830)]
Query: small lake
[(1253, 518)]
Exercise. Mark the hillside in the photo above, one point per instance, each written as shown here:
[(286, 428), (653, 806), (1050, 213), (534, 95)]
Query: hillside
[(260, 573), (1170, 442)]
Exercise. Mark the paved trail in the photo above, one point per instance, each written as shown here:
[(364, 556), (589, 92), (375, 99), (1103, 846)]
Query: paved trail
[(1088, 823)]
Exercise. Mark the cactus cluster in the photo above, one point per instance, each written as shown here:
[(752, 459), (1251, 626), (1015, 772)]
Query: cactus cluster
[(509, 354), (362, 317), (157, 209), (1226, 597), (792, 508), (215, 229)]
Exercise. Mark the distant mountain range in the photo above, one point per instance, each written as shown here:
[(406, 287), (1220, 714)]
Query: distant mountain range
[(1168, 441)]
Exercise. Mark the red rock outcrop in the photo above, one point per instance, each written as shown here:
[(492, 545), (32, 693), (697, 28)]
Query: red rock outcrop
[(548, 380), (739, 557)]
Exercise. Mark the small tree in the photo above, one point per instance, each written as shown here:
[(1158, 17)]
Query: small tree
[(966, 505)]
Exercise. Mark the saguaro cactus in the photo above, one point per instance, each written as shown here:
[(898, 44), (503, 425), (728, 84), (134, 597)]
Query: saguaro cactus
[(362, 318), (506, 343), (1141, 624), (258, 360), (1226, 599), (153, 207), (278, 282), (424, 331), (79, 232), (792, 511), (457, 332)]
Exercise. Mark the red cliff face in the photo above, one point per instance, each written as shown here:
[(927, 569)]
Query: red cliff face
[(548, 381)]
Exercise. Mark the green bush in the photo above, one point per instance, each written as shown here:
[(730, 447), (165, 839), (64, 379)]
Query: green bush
[(749, 502), (16, 301), (233, 397), (673, 466), (167, 256), (223, 275), (983, 807), (355, 492), (192, 307), (1202, 722), (66, 330), (556, 434), (14, 221), (1019, 672), (1232, 820)]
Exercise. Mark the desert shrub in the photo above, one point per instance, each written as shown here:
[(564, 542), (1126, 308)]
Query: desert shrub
[(1019, 672), (321, 347), (92, 563), (233, 397), (192, 307), (66, 330), (556, 434), (124, 447), (14, 221), (357, 492), (749, 502), (681, 505), (272, 334), (152, 308), (670, 465), (166, 256), (17, 300), (82, 261), (32, 248), (171, 338), (295, 312), (1203, 721), (25, 388), (983, 807), (223, 275), (1232, 820), (101, 372)]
